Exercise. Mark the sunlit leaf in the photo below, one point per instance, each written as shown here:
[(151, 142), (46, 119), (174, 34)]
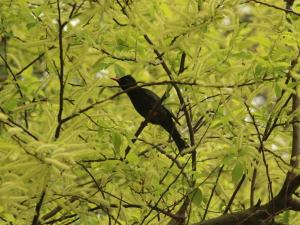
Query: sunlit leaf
[(196, 196), (117, 141), (237, 172)]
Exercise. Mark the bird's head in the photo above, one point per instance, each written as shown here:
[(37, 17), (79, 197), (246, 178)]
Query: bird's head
[(126, 82)]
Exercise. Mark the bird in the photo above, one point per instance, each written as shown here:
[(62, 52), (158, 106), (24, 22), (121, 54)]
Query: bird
[(148, 105)]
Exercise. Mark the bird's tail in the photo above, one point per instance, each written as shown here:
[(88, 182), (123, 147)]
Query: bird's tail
[(178, 140), (181, 144)]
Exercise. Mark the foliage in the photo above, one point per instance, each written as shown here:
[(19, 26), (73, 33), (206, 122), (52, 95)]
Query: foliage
[(65, 125)]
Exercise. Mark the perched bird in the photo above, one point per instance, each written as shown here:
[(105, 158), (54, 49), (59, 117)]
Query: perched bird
[(147, 104)]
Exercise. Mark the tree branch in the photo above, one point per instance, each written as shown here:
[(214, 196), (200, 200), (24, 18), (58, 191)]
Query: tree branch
[(61, 73), (286, 10), (212, 192), (18, 88), (38, 207), (180, 97), (234, 194)]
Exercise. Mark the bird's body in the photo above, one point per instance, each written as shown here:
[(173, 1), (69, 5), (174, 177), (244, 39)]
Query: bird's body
[(147, 104)]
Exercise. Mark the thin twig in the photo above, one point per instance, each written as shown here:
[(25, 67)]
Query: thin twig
[(212, 193), (116, 57), (165, 191), (275, 7), (93, 178), (61, 73), (252, 187), (31, 63), (294, 162), (234, 194), (119, 210), (262, 151), (175, 161), (38, 207), (18, 125), (182, 63), (18, 88)]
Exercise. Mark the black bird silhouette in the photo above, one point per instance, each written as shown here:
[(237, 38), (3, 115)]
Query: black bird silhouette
[(148, 104)]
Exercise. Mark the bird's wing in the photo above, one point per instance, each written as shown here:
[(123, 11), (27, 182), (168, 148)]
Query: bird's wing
[(151, 95), (143, 100), (149, 98), (173, 116)]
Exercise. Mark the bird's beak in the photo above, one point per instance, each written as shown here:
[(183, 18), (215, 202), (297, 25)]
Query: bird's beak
[(115, 79)]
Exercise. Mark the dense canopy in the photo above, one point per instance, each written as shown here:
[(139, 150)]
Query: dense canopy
[(227, 69)]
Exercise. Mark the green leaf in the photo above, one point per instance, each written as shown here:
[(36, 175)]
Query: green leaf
[(277, 90), (286, 216), (237, 172), (133, 159), (121, 44), (11, 104), (3, 117), (31, 25), (119, 70), (227, 160), (9, 217), (196, 196), (117, 141), (259, 69), (102, 66)]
